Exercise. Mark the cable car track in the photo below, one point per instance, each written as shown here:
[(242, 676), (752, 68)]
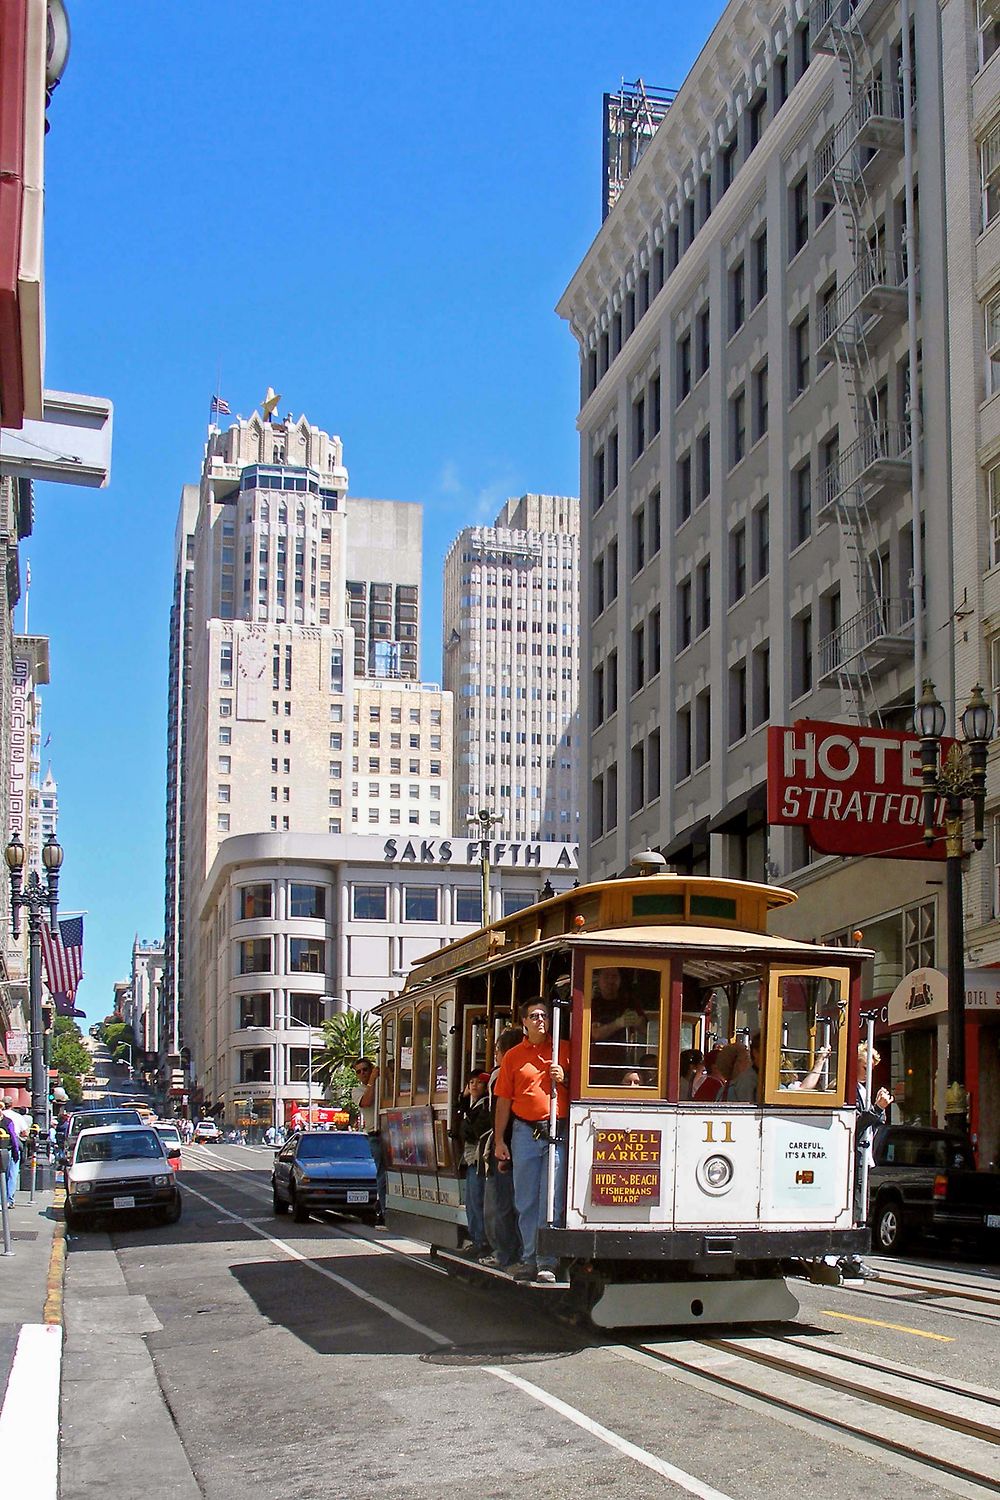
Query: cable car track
[(736, 1364)]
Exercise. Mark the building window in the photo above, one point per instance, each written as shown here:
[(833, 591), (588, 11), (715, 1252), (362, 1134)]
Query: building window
[(255, 955), (759, 261), (800, 355), (802, 654), (988, 26), (654, 405), (638, 658), (737, 297), (613, 570), (597, 807), (704, 350), (637, 763), (755, 120), (255, 901), (653, 766), (223, 792), (225, 735), (760, 402), (611, 805), (684, 615), (653, 643), (306, 955), (597, 697), (737, 702), (761, 685), (370, 903), (801, 503), (761, 541), (798, 215), (683, 367), (222, 823), (992, 316), (737, 427), (638, 540), (639, 425), (255, 1010), (226, 664), (704, 464), (653, 511), (306, 900), (468, 905), (737, 562), (989, 167), (597, 588), (682, 747), (704, 595), (255, 1065), (919, 938), (684, 489), (612, 683), (702, 728)]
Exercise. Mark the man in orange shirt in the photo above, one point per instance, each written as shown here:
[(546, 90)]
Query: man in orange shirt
[(523, 1092)]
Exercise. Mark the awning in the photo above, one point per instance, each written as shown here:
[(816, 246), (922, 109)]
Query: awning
[(15, 1091), (752, 801), (695, 833)]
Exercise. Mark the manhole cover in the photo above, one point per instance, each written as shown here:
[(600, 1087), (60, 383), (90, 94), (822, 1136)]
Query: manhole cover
[(491, 1354), (24, 1234)]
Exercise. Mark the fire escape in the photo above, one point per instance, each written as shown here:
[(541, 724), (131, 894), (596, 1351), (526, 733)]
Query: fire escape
[(860, 478)]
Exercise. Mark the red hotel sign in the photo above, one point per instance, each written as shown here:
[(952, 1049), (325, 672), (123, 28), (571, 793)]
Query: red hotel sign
[(856, 790)]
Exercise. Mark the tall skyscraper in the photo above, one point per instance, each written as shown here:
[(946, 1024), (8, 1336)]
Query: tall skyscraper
[(279, 721), (512, 664)]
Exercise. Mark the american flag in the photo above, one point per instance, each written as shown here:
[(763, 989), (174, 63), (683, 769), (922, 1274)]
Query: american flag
[(221, 406), (63, 954)]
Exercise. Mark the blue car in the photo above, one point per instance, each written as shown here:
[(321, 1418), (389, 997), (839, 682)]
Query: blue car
[(318, 1169)]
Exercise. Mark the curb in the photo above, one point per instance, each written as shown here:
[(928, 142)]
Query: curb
[(53, 1309)]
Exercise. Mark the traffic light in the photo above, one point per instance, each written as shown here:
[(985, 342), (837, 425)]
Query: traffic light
[(48, 1018)]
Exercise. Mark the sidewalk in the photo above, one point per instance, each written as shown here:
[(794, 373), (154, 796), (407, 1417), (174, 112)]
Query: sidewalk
[(31, 1342)]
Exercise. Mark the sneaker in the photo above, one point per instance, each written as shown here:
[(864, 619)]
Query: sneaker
[(491, 1261), (522, 1270), (852, 1270), (547, 1275), (469, 1251)]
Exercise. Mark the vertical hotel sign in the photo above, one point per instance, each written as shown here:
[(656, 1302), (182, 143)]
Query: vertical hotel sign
[(17, 787)]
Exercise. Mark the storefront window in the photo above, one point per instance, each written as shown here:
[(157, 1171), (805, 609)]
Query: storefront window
[(912, 1076)]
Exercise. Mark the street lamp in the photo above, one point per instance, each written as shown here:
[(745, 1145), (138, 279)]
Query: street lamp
[(294, 1021), (35, 899), (958, 778), (485, 821)]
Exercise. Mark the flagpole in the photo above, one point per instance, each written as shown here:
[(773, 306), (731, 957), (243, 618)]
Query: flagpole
[(27, 591)]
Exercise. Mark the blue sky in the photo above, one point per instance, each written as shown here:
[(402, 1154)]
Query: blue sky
[(373, 208)]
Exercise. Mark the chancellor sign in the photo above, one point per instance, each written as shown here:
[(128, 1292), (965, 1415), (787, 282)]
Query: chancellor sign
[(855, 790)]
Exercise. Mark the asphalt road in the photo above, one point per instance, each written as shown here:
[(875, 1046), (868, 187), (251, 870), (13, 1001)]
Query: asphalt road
[(327, 1360)]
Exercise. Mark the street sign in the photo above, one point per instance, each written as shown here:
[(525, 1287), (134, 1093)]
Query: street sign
[(16, 1043)]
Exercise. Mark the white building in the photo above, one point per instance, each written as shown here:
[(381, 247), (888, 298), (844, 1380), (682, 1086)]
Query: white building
[(276, 723), (512, 665), (766, 531), (295, 927)]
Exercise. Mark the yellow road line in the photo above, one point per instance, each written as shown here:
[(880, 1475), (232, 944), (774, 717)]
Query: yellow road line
[(942, 1338), (53, 1311)]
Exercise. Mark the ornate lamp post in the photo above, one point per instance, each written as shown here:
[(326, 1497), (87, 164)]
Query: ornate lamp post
[(35, 899), (958, 778)]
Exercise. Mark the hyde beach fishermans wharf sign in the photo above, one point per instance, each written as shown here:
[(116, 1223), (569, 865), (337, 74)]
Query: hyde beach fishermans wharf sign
[(626, 1168), (855, 790)]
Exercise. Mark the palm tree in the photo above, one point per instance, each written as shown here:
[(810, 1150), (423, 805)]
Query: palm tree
[(347, 1037)]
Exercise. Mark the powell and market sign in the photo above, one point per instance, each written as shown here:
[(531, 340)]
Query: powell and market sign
[(502, 855), (854, 790)]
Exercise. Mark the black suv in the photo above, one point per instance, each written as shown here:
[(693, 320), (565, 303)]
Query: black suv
[(909, 1160)]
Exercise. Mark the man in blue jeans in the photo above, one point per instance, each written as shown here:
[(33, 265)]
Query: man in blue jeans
[(528, 1074)]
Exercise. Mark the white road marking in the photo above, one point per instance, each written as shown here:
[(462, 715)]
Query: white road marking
[(614, 1440), (31, 1406)]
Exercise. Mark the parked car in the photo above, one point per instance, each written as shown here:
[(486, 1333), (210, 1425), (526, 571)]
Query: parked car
[(925, 1182), (120, 1169), (207, 1130), (171, 1138), (89, 1119), (317, 1169)]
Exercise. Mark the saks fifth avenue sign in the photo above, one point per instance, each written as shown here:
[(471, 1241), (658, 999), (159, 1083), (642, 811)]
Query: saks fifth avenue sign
[(854, 790), (469, 851), (17, 786)]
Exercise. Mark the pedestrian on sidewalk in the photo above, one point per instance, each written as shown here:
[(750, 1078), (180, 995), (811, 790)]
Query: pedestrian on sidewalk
[(9, 1123)]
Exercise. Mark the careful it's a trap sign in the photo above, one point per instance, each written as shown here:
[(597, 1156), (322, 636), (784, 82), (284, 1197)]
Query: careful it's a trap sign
[(626, 1168)]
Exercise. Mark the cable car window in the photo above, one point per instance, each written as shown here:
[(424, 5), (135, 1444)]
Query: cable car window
[(625, 1027), (806, 1038), (406, 1052), (422, 1051), (442, 1029), (388, 1059)]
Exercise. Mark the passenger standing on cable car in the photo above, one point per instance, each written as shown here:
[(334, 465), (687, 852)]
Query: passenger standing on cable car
[(528, 1075)]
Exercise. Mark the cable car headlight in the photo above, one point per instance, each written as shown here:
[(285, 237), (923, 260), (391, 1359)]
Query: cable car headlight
[(715, 1174)]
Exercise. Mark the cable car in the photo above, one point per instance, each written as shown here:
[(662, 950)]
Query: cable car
[(679, 1209)]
